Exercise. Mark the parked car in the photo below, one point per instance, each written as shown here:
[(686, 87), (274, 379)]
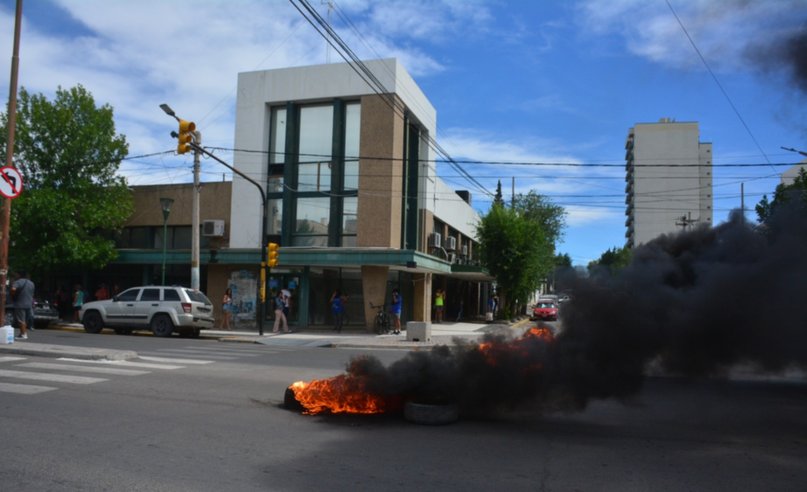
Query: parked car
[(44, 314), (161, 309), (545, 309)]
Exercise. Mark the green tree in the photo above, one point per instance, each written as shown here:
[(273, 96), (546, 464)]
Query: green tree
[(538, 209), (796, 191), (563, 260), (612, 259), (73, 202), (497, 199), (517, 247)]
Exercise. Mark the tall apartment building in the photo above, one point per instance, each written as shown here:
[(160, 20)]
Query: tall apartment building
[(668, 179)]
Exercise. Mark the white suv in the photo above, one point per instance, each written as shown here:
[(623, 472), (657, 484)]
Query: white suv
[(160, 309)]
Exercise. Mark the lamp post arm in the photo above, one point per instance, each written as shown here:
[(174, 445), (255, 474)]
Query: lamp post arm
[(231, 168), (262, 304)]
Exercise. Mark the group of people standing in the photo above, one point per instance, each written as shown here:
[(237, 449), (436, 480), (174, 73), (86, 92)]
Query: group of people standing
[(281, 302), (338, 300), (69, 303)]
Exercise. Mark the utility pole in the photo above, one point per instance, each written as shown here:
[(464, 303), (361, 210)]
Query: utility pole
[(742, 199), (794, 150), (190, 139), (12, 123), (197, 188), (685, 221)]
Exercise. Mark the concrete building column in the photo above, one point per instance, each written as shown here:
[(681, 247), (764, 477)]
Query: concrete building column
[(374, 290), (421, 297)]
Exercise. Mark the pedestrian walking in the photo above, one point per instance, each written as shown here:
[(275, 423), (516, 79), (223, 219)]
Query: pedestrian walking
[(22, 292), (280, 316), (286, 302), (338, 309), (226, 309), (78, 301), (395, 311)]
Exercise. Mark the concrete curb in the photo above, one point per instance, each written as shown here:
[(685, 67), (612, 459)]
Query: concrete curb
[(50, 350)]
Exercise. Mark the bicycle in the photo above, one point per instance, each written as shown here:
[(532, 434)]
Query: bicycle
[(382, 319)]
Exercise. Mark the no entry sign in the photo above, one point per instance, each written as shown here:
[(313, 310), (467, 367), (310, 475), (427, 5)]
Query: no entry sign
[(10, 182)]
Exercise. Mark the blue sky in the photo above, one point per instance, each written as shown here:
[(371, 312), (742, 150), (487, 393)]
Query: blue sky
[(534, 83)]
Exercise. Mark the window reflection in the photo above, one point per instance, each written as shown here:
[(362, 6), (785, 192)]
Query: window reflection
[(316, 141), (313, 215), (352, 133)]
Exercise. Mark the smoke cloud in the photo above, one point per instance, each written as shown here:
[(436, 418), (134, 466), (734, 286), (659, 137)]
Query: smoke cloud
[(788, 52), (693, 303)]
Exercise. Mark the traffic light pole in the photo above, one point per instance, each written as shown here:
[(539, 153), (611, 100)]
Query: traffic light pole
[(188, 138), (262, 290)]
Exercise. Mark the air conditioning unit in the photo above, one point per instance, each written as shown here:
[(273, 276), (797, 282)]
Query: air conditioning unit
[(436, 240), (464, 250), (451, 243), (213, 228)]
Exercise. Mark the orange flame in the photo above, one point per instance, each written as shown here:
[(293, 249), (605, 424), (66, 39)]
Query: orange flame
[(339, 394), (540, 332), (347, 394)]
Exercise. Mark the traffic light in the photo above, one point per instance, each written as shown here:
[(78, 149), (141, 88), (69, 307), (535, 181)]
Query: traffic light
[(186, 128), (273, 252)]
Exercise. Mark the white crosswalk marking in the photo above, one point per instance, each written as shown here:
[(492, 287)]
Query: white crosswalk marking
[(10, 358), (57, 378), (24, 389), (127, 363), (70, 367), (157, 359), (179, 356), (183, 361)]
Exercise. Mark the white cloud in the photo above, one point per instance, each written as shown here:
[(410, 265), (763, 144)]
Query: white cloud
[(580, 215), (723, 31), (135, 56)]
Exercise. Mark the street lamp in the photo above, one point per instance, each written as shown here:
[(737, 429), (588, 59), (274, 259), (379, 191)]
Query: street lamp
[(165, 203), (188, 129)]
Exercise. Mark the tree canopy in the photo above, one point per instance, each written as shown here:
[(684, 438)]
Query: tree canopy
[(611, 260), (795, 193), (73, 202), (518, 246)]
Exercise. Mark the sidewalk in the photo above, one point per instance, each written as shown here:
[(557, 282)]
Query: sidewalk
[(319, 336)]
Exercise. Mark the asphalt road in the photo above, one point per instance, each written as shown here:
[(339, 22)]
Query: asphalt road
[(205, 415)]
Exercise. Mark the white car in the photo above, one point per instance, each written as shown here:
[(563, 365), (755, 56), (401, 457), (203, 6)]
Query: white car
[(161, 309)]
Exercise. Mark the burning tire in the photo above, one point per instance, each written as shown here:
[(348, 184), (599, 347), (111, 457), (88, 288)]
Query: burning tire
[(428, 414)]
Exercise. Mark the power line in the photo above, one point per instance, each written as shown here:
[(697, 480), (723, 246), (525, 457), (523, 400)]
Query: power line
[(719, 85), (374, 83)]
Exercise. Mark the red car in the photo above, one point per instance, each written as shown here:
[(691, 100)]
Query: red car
[(545, 310)]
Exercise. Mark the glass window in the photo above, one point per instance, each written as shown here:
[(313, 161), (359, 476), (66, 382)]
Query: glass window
[(313, 216), (150, 295), (171, 295), (316, 142), (139, 238), (274, 216), (352, 132), (182, 237), (314, 176), (350, 207), (128, 295), (278, 136), (311, 226)]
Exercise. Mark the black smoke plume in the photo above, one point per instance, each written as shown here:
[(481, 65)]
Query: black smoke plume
[(787, 51), (693, 303)]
